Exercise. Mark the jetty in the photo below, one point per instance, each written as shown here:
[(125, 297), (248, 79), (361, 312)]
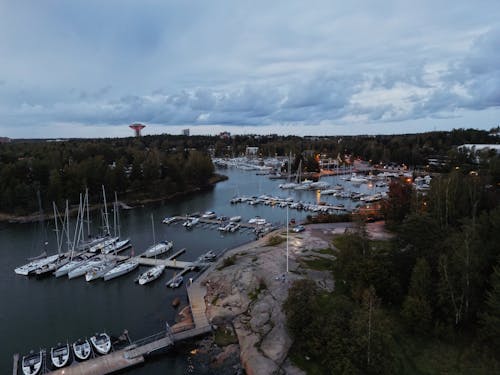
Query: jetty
[(138, 351)]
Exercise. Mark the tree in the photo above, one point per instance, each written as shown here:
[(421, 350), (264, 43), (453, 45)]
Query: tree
[(490, 318), (417, 310), (398, 204)]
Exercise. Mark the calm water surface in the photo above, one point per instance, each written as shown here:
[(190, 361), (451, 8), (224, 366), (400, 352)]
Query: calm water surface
[(38, 313)]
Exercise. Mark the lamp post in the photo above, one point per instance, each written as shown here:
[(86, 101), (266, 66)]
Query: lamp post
[(287, 238)]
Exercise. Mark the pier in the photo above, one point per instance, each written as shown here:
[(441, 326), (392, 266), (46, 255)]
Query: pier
[(138, 351)]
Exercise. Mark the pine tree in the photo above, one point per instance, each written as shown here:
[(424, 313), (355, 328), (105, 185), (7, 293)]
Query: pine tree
[(490, 318)]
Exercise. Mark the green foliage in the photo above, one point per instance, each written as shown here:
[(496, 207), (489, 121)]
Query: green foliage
[(225, 336), (490, 318), (148, 168), (275, 240), (227, 262)]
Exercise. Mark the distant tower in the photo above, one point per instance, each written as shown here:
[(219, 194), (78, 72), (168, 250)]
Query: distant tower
[(185, 132), (137, 129)]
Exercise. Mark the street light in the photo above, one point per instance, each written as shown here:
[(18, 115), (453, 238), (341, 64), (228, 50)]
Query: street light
[(287, 238)]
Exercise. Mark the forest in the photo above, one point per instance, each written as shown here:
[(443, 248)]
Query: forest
[(426, 301), (135, 168), (157, 166)]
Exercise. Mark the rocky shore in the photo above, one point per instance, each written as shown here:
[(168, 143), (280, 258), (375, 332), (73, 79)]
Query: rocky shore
[(245, 293)]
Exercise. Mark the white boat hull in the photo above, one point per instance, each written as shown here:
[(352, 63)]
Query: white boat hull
[(60, 355), (119, 271), (151, 275), (101, 343), (82, 349), (31, 364)]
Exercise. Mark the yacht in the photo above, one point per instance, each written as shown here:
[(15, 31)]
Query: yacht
[(101, 342), (208, 215), (151, 274), (101, 245), (51, 267), (32, 266), (176, 282), (358, 180), (121, 269), (85, 267), (100, 270), (82, 349), (158, 249), (59, 355), (235, 219), (72, 264), (32, 363), (116, 247)]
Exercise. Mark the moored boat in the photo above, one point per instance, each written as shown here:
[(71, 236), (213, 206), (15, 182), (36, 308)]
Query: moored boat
[(121, 269), (151, 274), (101, 343), (158, 249), (32, 363), (100, 270), (208, 215), (85, 267), (59, 355), (176, 282), (81, 349), (235, 219), (116, 247), (72, 264)]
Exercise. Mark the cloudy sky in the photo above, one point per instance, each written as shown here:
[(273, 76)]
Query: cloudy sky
[(89, 68)]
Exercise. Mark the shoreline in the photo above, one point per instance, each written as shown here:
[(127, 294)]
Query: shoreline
[(127, 205)]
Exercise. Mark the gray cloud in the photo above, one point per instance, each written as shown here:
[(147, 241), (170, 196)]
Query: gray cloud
[(249, 65)]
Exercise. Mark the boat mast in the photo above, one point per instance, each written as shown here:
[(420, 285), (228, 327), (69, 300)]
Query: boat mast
[(117, 216), (56, 216), (106, 221), (88, 215)]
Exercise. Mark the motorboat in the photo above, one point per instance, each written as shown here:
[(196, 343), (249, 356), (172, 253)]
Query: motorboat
[(100, 270), (191, 222), (116, 247), (176, 282), (235, 219), (82, 349), (158, 249), (152, 274), (59, 355), (32, 363), (208, 256), (121, 269), (208, 215), (168, 220), (85, 267), (101, 343)]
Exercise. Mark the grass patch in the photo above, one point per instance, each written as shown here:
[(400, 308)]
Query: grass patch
[(318, 264), (228, 261), (310, 367), (262, 286), (326, 251), (275, 240), (224, 337)]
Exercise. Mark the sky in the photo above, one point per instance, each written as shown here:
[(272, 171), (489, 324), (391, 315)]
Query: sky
[(90, 68)]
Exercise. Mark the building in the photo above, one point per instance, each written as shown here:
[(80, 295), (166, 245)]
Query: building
[(225, 135), (480, 147), (251, 151), (185, 132), (4, 140)]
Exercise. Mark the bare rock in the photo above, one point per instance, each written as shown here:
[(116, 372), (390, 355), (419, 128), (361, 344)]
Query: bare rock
[(277, 343)]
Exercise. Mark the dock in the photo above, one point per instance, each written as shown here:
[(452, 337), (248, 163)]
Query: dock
[(138, 351), (216, 222)]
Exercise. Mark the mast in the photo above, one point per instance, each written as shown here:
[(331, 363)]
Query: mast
[(67, 229), (88, 215), (56, 216), (117, 216), (106, 221), (153, 226)]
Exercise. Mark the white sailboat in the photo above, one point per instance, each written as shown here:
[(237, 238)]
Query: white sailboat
[(151, 274), (100, 270), (83, 268), (121, 269), (157, 248)]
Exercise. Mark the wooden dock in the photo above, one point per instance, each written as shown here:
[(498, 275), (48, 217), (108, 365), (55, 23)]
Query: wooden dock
[(217, 222), (105, 364)]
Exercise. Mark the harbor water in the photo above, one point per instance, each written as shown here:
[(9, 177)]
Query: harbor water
[(39, 313)]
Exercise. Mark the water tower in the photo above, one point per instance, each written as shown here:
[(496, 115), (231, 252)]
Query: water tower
[(137, 129)]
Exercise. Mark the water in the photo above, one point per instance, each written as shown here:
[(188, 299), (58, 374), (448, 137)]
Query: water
[(38, 313)]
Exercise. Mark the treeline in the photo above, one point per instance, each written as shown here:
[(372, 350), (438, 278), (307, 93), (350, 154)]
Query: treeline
[(136, 168), (410, 149), (436, 285)]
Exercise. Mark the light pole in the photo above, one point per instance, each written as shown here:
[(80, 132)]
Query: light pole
[(287, 238)]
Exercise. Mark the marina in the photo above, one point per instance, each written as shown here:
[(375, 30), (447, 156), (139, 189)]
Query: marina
[(154, 307)]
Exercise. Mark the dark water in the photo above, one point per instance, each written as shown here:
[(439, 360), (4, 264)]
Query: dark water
[(38, 313)]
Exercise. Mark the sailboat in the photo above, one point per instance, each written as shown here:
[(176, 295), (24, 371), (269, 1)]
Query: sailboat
[(157, 248), (151, 274)]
